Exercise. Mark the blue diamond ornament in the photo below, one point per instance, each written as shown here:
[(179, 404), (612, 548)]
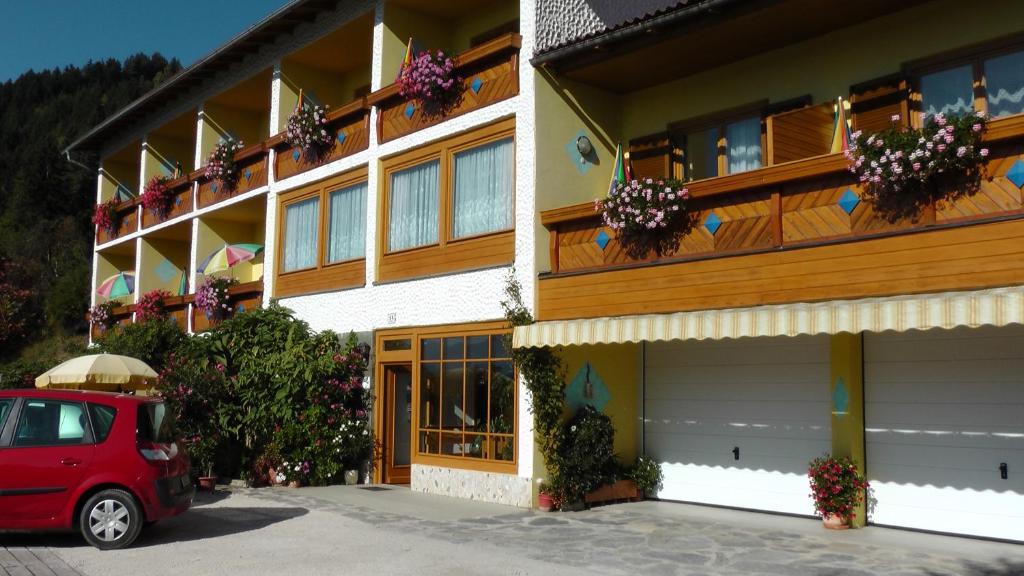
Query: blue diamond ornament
[(476, 85), (1016, 173), (296, 154), (602, 239), (848, 201), (341, 137), (712, 223), (410, 109), (248, 174)]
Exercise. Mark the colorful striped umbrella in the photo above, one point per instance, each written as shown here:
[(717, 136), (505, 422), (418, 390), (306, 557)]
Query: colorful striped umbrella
[(120, 284), (228, 256), (840, 128)]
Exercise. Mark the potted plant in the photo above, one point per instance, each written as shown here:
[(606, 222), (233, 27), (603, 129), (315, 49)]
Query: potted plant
[(430, 79), (106, 217), (214, 299), (308, 131), (151, 306), (545, 497), (102, 314), (157, 197), (220, 165), (586, 458), (903, 170), (646, 473), (203, 450), (837, 487), (647, 215)]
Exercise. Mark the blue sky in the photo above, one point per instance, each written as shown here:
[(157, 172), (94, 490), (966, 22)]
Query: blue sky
[(42, 34)]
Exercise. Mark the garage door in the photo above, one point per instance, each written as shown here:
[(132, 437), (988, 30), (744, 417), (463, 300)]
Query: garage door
[(765, 398), (943, 411)]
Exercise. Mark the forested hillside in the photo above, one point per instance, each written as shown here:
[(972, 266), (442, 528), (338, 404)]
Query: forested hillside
[(46, 202)]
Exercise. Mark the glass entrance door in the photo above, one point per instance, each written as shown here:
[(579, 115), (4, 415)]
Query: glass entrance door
[(398, 423)]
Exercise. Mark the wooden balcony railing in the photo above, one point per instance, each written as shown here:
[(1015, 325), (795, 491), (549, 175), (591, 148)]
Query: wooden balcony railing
[(177, 308), (351, 124), (245, 296), (180, 205), (121, 315), (128, 222), (794, 204), (490, 74), (252, 174)]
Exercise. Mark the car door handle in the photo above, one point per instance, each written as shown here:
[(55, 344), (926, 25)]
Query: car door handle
[(70, 461)]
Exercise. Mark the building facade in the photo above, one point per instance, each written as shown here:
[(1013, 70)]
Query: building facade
[(791, 320)]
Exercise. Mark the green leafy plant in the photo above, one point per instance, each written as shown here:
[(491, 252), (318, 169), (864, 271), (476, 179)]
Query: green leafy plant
[(585, 455), (646, 473), (837, 487), (151, 342)]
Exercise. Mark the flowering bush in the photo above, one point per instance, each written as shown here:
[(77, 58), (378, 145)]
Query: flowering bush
[(647, 215), (431, 80), (308, 131), (102, 314), (213, 299), (151, 306), (904, 170), (157, 197), (105, 216), (586, 458), (836, 486), (220, 166)]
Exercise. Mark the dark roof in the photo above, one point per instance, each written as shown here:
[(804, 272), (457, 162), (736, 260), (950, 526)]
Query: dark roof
[(614, 27), (282, 21)]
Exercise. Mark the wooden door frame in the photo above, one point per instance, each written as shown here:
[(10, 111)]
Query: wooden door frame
[(388, 420)]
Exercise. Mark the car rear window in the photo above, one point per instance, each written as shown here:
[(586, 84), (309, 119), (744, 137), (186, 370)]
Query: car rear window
[(156, 424), (5, 407), (102, 420)]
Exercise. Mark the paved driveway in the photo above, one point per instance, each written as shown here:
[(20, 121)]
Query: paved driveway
[(352, 530)]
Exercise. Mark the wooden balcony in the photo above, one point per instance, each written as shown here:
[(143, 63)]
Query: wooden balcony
[(177, 308), (121, 315), (490, 73), (781, 234), (252, 174), (128, 222), (180, 205), (246, 296), (351, 124)]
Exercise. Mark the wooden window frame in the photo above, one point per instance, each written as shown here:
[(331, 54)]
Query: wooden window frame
[(413, 356), (973, 56), (716, 123), (448, 254), (323, 276)]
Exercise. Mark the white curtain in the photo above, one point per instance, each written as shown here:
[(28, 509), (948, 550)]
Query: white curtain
[(413, 205), (949, 91), (1004, 77), (347, 227), (483, 189), (743, 140), (301, 229)]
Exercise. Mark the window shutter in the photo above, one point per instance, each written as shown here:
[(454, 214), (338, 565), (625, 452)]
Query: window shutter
[(655, 156), (873, 103)]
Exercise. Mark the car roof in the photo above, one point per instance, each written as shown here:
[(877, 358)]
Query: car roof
[(79, 395)]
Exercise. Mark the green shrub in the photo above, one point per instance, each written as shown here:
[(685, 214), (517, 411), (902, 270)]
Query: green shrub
[(586, 456), (151, 342), (646, 473)]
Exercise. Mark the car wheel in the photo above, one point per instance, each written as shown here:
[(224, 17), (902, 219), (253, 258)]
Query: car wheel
[(111, 519)]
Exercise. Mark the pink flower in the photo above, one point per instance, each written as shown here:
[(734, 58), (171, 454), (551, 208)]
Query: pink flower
[(983, 152)]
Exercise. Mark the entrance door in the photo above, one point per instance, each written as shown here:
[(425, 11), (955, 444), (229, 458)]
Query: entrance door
[(397, 423)]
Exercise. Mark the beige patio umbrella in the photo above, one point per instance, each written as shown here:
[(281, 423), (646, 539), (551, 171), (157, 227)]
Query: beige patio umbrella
[(110, 372)]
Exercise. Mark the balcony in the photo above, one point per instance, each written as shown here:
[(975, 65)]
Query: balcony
[(181, 204), (793, 231), (127, 222), (251, 173), (245, 296), (351, 125)]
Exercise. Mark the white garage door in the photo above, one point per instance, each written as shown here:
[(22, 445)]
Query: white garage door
[(943, 410), (766, 397)]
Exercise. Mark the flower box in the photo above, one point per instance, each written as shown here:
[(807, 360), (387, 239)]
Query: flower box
[(351, 126), (180, 204), (251, 165), (620, 491)]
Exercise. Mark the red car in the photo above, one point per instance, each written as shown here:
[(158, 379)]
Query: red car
[(101, 463)]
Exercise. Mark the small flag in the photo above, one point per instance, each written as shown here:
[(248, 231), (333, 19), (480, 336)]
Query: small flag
[(840, 128), (298, 105), (407, 60), (177, 170), (618, 169), (628, 166)]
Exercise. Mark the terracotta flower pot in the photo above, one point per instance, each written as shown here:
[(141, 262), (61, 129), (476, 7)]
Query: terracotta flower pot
[(835, 522), (545, 503), (351, 477), (207, 483)]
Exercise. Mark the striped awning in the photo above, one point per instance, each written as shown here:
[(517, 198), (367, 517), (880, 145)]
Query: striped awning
[(993, 307)]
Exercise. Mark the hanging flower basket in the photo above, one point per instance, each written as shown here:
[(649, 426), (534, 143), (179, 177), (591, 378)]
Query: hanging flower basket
[(647, 215), (308, 131), (102, 315), (221, 167), (431, 80), (905, 170), (157, 197), (213, 298), (151, 306), (106, 217)]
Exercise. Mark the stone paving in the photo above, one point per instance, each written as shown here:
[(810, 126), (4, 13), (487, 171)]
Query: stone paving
[(31, 561)]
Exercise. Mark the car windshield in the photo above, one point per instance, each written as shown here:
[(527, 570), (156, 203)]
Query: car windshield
[(156, 424)]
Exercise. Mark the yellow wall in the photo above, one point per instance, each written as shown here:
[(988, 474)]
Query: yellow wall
[(218, 120), (109, 264), (847, 370), (154, 252), (478, 22), (399, 25), (617, 365), (114, 173), (823, 67), (329, 87), (162, 152), (214, 234)]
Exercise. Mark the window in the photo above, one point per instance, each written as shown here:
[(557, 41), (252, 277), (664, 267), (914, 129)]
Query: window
[(725, 148), (466, 398), (301, 234), (5, 407), (413, 202), (155, 423), (1004, 84), (102, 420), (346, 225), (50, 423), (993, 81), (947, 92), (482, 194)]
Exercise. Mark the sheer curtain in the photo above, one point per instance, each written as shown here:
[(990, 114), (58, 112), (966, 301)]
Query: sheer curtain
[(413, 205), (743, 140), (1004, 77), (949, 91), (347, 226), (483, 189), (301, 229)]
